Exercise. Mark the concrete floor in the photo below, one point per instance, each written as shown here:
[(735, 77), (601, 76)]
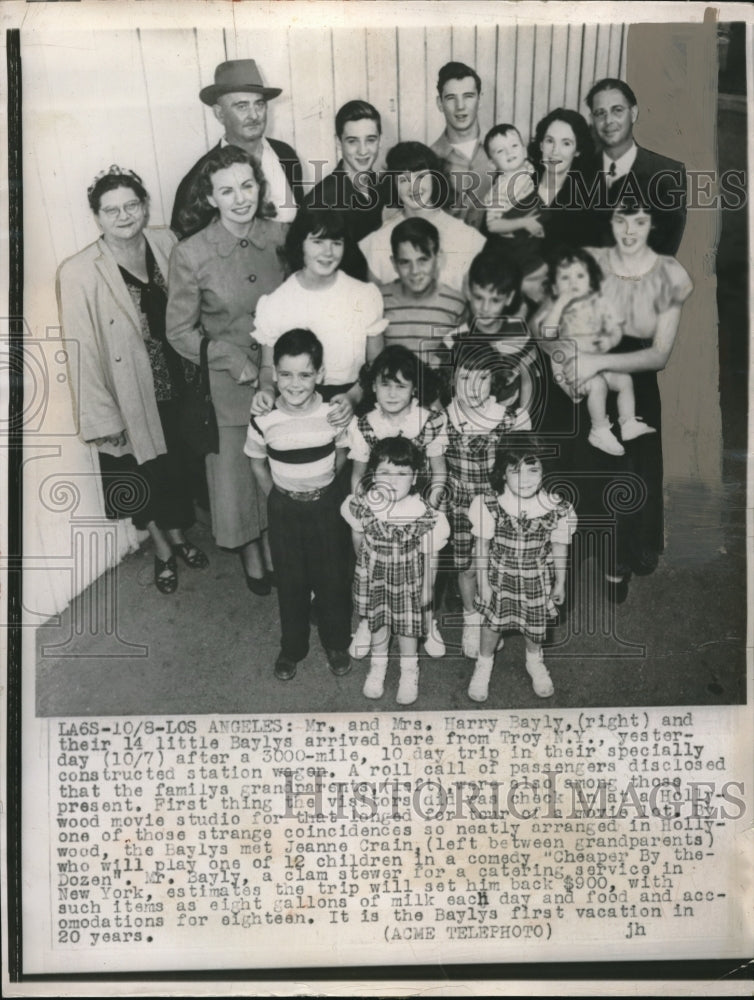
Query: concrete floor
[(678, 640)]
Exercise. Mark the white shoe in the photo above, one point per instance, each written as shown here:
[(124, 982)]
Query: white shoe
[(408, 687), (433, 644), (361, 642), (634, 427), (472, 627), (604, 439), (374, 685), (540, 675), (480, 680)]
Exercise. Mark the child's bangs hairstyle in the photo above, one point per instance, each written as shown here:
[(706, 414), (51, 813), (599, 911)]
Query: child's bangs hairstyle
[(565, 256), (396, 450), (505, 129), (497, 269), (396, 362), (420, 233), (515, 448), (324, 223), (298, 341), (414, 158)]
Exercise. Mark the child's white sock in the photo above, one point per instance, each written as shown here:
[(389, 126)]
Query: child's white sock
[(480, 679), (472, 624), (374, 685), (362, 640), (433, 644), (408, 688), (540, 675)]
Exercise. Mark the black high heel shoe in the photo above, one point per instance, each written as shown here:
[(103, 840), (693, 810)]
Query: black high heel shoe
[(190, 554), (259, 585), (165, 584)]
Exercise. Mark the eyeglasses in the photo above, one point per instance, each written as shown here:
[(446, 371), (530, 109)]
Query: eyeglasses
[(130, 208)]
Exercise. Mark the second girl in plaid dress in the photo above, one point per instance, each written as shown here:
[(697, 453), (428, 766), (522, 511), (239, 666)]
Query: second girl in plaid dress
[(476, 423), (396, 534)]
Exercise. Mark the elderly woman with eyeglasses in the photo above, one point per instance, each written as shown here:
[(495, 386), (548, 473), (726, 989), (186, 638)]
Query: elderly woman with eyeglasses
[(112, 299)]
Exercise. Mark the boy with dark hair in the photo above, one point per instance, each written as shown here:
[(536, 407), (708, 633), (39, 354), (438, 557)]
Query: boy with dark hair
[(418, 308), (295, 455), (352, 187)]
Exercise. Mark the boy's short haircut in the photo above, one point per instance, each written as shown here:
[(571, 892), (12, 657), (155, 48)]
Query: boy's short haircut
[(503, 129), (294, 342), (457, 71), (498, 270), (355, 111), (420, 233)]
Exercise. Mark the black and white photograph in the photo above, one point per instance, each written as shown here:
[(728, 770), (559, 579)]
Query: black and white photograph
[(339, 550)]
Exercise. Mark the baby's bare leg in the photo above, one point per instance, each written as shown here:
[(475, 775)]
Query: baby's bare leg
[(623, 385), (596, 401)]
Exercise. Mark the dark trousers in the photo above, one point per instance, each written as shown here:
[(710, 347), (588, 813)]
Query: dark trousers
[(157, 490), (309, 545)]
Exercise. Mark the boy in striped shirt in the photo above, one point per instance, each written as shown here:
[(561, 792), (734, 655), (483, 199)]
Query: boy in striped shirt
[(295, 455), (419, 309)]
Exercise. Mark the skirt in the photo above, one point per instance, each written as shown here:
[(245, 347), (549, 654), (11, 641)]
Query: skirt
[(237, 506)]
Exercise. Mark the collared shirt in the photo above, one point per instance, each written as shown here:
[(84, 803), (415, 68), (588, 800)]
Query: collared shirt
[(622, 165), (470, 176), (542, 503)]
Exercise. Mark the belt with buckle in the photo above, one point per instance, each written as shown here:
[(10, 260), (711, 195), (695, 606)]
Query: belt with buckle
[(308, 496)]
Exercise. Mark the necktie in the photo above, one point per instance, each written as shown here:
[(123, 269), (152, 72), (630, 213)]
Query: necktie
[(611, 174)]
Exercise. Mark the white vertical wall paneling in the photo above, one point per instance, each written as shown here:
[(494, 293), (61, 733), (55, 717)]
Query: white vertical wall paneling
[(540, 104), (506, 79), (572, 95), (312, 96), (210, 52), (523, 94), (558, 67), (438, 48), (273, 63), (463, 45), (588, 53), (615, 43), (413, 94), (382, 82), (602, 57), (486, 66), (171, 76)]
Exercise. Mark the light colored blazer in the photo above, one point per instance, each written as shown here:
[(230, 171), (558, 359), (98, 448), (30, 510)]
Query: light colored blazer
[(115, 391)]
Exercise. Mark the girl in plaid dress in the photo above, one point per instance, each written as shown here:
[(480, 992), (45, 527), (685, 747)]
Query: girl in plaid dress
[(398, 392), (476, 423), (522, 537), (396, 532)]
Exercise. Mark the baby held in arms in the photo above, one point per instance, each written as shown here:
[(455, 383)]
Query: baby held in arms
[(577, 312)]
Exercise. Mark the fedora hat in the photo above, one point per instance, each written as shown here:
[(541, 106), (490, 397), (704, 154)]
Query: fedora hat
[(235, 77)]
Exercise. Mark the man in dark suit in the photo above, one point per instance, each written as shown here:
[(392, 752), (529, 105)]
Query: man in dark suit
[(624, 169), (239, 99)]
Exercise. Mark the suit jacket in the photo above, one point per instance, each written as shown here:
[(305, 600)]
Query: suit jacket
[(186, 224), (115, 389), (659, 180)]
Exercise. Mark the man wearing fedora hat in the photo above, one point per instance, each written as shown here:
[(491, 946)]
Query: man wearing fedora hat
[(239, 99)]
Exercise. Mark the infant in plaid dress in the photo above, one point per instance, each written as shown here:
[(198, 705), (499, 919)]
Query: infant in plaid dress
[(522, 537), (396, 532)]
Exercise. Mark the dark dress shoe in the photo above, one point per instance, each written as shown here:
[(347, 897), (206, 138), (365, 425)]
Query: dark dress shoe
[(616, 591), (285, 669), (259, 585), (644, 561), (339, 660)]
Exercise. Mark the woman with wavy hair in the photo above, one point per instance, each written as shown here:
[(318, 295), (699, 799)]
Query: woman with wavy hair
[(112, 298), (216, 278), (562, 143)]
